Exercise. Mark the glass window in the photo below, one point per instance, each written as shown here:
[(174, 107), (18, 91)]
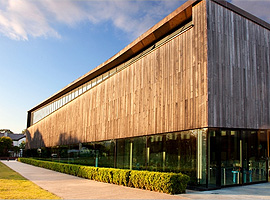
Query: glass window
[(94, 82), (84, 87), (54, 106), (106, 75), (89, 85), (50, 108), (60, 102), (64, 100), (254, 156), (230, 157), (47, 111), (72, 94), (73, 154), (76, 93), (187, 147), (139, 153), (69, 97), (112, 71), (53, 109), (105, 153), (201, 135), (80, 90), (156, 153), (173, 157), (99, 79), (63, 153), (87, 154), (124, 155)]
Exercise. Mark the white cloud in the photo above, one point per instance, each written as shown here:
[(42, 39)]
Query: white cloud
[(259, 8), (21, 19)]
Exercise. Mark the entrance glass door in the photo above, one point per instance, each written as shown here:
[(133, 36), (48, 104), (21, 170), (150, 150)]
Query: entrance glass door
[(236, 157), (254, 156), (224, 158), (230, 158)]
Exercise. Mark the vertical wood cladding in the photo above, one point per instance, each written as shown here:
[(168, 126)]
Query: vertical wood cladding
[(238, 70), (162, 92)]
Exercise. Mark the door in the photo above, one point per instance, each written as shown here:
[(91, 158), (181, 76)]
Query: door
[(231, 157), (254, 156), (224, 160)]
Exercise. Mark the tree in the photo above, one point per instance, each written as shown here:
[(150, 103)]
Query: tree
[(16, 149), (22, 145), (6, 144)]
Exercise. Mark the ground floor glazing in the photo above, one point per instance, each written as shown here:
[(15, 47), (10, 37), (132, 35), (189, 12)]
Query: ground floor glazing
[(213, 158)]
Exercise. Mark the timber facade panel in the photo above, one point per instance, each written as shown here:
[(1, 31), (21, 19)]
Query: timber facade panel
[(239, 70)]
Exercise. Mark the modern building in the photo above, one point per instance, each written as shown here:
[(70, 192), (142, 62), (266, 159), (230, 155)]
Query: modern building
[(191, 95)]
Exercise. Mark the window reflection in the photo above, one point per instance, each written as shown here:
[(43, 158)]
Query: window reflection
[(124, 154), (104, 153)]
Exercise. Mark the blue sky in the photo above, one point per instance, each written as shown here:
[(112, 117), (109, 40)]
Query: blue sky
[(46, 44)]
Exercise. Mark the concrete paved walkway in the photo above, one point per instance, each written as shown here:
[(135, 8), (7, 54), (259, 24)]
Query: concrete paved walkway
[(71, 187)]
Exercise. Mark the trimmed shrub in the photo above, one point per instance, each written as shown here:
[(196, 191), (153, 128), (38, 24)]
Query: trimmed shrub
[(104, 175), (121, 176), (171, 183)]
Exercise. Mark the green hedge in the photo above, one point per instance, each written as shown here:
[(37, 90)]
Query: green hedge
[(171, 183)]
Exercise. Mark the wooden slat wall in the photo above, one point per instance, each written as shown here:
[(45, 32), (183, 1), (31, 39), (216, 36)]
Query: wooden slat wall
[(164, 91), (238, 70)]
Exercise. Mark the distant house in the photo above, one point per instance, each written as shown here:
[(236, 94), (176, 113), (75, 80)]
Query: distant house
[(17, 138)]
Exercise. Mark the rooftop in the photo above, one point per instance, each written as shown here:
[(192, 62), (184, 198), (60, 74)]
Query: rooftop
[(13, 136)]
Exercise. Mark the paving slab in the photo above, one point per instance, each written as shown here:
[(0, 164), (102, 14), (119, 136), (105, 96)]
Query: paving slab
[(254, 191), (72, 187)]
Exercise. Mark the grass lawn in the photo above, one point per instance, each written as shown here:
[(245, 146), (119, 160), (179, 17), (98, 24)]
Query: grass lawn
[(14, 186)]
